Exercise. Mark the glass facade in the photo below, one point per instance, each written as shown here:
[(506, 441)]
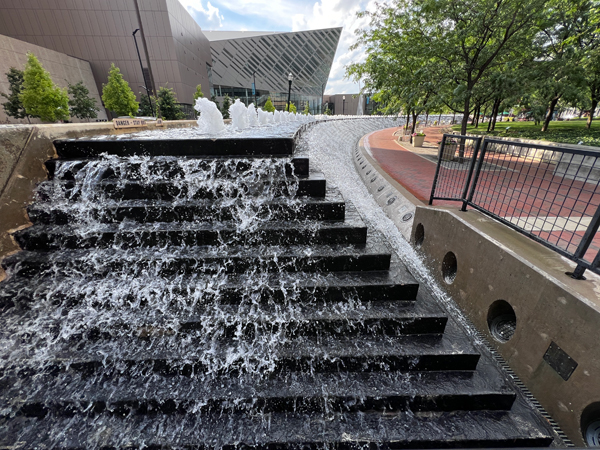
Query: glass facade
[(268, 59)]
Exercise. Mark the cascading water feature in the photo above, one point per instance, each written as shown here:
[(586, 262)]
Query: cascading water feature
[(217, 293)]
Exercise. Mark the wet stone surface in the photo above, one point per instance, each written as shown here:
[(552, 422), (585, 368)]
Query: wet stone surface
[(215, 293)]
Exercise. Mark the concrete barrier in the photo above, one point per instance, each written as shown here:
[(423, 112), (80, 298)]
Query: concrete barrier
[(23, 151)]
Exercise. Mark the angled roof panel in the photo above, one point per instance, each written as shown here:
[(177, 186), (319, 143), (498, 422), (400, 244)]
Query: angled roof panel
[(307, 54)]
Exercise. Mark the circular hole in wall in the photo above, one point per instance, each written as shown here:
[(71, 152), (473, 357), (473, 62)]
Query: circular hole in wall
[(419, 235), (449, 267), (590, 425), (502, 320)]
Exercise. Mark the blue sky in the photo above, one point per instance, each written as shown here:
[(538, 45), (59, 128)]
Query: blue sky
[(290, 15)]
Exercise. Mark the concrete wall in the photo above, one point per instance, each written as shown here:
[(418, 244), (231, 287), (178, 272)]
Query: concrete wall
[(23, 151), (496, 263), (63, 69)]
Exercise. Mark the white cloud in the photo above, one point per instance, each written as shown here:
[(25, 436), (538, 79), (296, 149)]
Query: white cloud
[(335, 13), (208, 17)]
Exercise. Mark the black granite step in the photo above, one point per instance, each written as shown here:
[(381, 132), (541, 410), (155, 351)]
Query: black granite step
[(70, 394), (225, 146), (331, 207), (159, 234), (341, 431), (241, 322), (394, 284), (312, 186), (374, 255), (168, 354), (167, 168)]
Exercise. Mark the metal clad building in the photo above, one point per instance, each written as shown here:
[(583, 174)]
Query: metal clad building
[(240, 57)]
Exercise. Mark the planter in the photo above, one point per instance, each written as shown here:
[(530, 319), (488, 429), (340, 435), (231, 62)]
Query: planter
[(418, 141)]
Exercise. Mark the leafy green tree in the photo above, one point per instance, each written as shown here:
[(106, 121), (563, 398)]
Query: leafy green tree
[(81, 105), (146, 108), (40, 96), (117, 95), (14, 107), (168, 106), (459, 42), (292, 108), (557, 70), (225, 108), (269, 106), (306, 110), (198, 94), (327, 111)]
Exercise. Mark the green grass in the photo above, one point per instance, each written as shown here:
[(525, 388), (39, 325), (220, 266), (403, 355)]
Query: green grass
[(568, 132)]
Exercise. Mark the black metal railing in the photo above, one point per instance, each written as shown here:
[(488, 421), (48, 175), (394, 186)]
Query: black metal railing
[(549, 193)]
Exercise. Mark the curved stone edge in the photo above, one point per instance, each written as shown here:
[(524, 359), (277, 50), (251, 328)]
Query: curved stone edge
[(397, 202)]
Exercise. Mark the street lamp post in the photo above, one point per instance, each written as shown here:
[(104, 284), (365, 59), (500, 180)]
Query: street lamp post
[(142, 67), (343, 104), (290, 78)]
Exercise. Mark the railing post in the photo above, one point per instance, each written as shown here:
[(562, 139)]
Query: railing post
[(476, 179), (437, 168), (584, 244), (470, 174)]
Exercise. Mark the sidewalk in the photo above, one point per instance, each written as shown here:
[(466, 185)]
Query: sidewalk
[(412, 167)]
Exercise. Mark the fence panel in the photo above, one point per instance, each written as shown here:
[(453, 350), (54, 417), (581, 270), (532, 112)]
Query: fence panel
[(550, 194), (456, 161)]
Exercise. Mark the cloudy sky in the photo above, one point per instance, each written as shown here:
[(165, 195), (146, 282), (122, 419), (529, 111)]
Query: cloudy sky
[(290, 15)]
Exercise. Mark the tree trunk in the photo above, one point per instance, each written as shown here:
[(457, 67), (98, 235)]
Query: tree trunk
[(484, 114), (477, 112), (407, 121), (453, 118), (465, 119), (474, 120), (414, 126), (440, 119), (550, 112), (594, 106), (426, 118), (495, 113)]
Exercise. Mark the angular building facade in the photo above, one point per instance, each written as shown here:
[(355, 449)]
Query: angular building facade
[(174, 51), (240, 59)]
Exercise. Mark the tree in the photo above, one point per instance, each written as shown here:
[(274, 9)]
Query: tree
[(168, 106), (292, 108), (213, 98), (306, 111), (14, 107), (558, 72), (458, 41), (198, 94), (226, 105), (117, 95), (269, 106), (147, 109), (81, 105), (327, 111), (40, 96)]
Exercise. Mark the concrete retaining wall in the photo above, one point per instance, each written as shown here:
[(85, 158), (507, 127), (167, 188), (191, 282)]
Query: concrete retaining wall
[(23, 151), (493, 263)]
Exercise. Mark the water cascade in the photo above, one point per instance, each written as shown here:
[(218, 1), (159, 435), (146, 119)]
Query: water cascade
[(216, 292)]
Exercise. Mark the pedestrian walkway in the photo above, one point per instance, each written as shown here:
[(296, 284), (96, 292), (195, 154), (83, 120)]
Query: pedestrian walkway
[(412, 167)]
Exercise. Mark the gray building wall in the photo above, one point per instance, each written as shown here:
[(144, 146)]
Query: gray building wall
[(62, 68), (172, 45), (349, 107)]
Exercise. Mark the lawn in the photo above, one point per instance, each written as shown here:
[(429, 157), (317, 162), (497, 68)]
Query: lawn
[(569, 132)]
